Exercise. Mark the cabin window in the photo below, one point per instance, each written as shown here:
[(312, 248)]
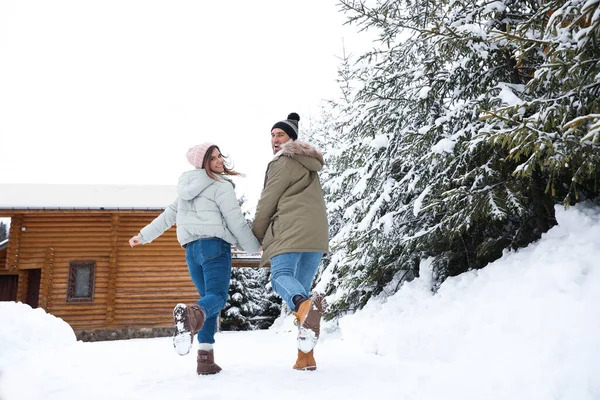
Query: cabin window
[(81, 281)]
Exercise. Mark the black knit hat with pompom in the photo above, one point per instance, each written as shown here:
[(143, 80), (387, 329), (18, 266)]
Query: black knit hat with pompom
[(289, 125)]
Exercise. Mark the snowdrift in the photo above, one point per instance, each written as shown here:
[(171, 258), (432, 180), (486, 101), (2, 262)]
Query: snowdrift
[(525, 326)]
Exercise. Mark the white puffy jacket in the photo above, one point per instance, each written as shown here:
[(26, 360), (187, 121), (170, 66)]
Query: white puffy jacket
[(205, 208)]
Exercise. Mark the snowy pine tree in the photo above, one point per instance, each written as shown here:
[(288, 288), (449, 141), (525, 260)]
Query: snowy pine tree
[(251, 303), (245, 295), (413, 174), (553, 130), (269, 303), (326, 133)]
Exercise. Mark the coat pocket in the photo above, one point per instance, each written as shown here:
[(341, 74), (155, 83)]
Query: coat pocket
[(269, 234)]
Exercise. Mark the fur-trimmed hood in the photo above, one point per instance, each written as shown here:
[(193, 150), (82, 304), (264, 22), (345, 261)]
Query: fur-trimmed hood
[(305, 153)]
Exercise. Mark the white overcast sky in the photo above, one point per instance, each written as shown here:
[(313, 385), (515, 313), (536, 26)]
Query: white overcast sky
[(115, 92)]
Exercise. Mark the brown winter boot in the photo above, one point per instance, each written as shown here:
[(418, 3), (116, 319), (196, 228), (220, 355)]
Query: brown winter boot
[(309, 318), (206, 363), (305, 361), (188, 321)]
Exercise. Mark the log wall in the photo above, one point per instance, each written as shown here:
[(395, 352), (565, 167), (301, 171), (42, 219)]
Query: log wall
[(134, 287), (151, 278)]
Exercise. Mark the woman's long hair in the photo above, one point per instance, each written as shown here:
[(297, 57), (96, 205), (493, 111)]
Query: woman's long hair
[(206, 164)]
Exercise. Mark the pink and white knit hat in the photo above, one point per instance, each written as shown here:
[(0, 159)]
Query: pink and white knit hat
[(195, 155)]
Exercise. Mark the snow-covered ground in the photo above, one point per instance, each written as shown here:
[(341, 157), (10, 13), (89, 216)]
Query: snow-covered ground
[(525, 327)]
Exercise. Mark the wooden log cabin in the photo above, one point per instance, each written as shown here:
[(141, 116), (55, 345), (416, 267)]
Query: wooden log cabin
[(68, 253)]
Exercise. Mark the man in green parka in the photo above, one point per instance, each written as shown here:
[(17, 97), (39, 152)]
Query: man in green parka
[(291, 224)]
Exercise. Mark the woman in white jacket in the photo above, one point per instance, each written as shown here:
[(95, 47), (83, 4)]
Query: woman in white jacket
[(209, 220)]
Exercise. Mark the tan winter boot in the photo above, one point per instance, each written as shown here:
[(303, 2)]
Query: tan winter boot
[(206, 363), (188, 321), (309, 318), (305, 361)]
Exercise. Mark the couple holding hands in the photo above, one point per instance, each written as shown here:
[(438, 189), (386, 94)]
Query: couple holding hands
[(290, 226)]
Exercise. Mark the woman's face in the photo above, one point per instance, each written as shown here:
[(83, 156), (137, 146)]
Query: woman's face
[(216, 162)]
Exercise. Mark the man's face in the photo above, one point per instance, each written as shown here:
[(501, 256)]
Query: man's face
[(278, 137)]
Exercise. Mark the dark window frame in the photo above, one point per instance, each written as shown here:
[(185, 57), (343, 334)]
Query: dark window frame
[(71, 284)]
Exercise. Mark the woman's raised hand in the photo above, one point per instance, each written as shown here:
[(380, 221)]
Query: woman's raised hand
[(134, 241)]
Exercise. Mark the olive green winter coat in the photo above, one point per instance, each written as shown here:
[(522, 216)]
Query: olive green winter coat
[(290, 215)]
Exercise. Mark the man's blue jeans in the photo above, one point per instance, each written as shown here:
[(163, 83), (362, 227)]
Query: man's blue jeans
[(209, 263), (293, 273)]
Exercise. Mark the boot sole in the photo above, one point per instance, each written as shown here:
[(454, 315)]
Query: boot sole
[(306, 369), (307, 340), (308, 334), (208, 373), (183, 338)]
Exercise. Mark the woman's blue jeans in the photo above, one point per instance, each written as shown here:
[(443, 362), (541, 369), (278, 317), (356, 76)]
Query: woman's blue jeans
[(293, 273), (209, 263)]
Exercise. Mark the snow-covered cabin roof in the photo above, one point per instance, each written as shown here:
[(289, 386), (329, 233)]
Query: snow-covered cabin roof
[(85, 197)]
